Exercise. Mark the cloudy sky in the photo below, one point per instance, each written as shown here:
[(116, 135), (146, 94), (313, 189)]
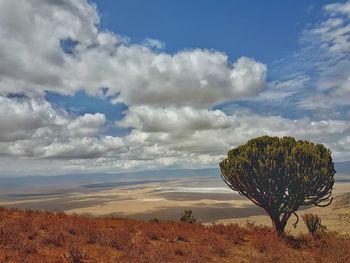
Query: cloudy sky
[(109, 86)]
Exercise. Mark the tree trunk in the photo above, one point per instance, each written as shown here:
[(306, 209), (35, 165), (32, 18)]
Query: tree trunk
[(278, 225)]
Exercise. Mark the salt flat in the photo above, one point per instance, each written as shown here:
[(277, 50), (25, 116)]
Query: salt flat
[(209, 198)]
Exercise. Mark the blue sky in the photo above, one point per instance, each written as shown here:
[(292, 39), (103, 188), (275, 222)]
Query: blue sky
[(268, 31), (103, 86), (265, 30)]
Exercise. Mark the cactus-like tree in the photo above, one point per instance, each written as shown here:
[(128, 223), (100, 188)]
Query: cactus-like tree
[(280, 175)]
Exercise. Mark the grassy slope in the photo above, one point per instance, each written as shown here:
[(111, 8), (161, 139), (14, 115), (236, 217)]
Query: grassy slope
[(335, 217), (56, 237)]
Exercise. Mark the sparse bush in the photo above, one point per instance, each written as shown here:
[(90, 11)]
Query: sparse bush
[(313, 223), (187, 217), (154, 220), (93, 235), (72, 231), (75, 255), (56, 239), (30, 249)]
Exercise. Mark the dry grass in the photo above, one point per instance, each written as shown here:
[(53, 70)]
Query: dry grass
[(30, 236)]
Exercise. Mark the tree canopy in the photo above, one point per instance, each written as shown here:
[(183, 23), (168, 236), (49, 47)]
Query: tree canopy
[(280, 175)]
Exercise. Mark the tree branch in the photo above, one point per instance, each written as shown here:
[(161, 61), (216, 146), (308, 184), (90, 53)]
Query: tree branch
[(296, 222), (330, 201)]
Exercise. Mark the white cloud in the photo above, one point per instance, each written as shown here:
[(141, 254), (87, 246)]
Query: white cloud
[(186, 119), (189, 133), (170, 96), (81, 148), (334, 31), (336, 8), (179, 137), (31, 57), (86, 125), (35, 62), (329, 42), (21, 118), (199, 78), (279, 91), (154, 43), (32, 128)]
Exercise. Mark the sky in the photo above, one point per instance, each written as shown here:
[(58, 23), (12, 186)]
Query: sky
[(111, 86)]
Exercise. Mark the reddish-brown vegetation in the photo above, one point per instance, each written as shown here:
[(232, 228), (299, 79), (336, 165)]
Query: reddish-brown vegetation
[(29, 236)]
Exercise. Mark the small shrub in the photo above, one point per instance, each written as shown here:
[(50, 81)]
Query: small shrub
[(93, 235), (154, 220), (56, 239), (313, 223), (29, 249), (75, 255), (72, 231), (120, 240), (188, 217)]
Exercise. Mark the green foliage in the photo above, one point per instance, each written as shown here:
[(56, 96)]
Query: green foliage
[(280, 175), (188, 217), (313, 223)]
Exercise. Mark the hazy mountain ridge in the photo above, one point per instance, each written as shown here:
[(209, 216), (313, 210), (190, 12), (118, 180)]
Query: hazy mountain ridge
[(93, 178), (86, 179), (342, 174)]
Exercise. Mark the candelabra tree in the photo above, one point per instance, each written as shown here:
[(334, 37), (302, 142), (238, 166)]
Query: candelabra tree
[(280, 175)]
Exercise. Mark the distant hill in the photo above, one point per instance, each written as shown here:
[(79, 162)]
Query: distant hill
[(90, 178), (74, 180), (343, 167)]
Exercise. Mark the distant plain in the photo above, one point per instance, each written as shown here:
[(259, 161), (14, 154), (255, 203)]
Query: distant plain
[(155, 195)]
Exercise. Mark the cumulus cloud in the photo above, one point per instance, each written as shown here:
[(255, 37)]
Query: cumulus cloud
[(21, 118), (188, 131), (86, 125), (57, 46), (33, 63), (32, 128), (31, 57), (81, 148), (169, 119), (198, 78), (179, 137)]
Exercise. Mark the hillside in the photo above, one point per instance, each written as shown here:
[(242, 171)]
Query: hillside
[(336, 217), (29, 236)]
